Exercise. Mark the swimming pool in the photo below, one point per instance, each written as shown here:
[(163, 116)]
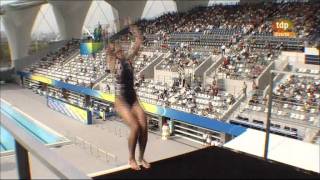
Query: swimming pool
[(42, 133)]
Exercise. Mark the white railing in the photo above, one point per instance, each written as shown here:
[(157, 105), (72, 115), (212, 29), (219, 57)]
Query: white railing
[(94, 150), (25, 143)]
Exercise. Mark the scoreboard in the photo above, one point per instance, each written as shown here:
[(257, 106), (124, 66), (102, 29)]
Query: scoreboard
[(312, 55)]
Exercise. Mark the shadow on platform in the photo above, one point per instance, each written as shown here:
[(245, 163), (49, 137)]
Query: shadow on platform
[(213, 162)]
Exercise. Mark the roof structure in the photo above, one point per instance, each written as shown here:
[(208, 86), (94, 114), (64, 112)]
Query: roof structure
[(19, 16)]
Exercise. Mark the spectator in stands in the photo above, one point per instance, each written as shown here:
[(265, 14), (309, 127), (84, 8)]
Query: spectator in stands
[(265, 99), (254, 87), (142, 78), (183, 81), (216, 143), (223, 50), (198, 88), (67, 79), (208, 140), (65, 94), (188, 86), (215, 89), (244, 88), (165, 131), (226, 62), (108, 88), (210, 107), (254, 100), (205, 112), (231, 100), (21, 79), (214, 81), (280, 46), (91, 84), (204, 138)]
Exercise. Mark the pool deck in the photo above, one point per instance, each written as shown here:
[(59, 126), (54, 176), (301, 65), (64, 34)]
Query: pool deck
[(110, 136)]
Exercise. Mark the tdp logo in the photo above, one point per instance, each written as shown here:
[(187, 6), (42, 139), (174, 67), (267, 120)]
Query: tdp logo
[(283, 27)]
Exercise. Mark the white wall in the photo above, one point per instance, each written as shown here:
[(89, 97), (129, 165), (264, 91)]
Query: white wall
[(165, 76), (297, 60)]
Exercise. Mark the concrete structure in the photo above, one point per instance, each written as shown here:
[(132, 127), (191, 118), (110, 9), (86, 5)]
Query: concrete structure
[(70, 17), (18, 25), (19, 18), (124, 9), (109, 136)]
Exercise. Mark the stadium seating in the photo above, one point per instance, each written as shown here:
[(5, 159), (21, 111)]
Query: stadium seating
[(241, 35)]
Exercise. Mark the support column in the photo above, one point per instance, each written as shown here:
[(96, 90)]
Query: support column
[(171, 126), (132, 9), (18, 24), (183, 6), (22, 159), (161, 120), (70, 16), (87, 101)]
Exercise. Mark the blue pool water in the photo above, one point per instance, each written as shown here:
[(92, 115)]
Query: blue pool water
[(7, 141)]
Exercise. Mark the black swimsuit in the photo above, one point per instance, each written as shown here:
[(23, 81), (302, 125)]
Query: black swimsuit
[(125, 82)]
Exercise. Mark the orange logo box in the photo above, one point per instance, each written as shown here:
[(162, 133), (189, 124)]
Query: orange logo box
[(285, 34), (283, 28)]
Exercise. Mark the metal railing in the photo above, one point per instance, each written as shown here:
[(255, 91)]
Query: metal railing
[(94, 150), (116, 130), (25, 143)]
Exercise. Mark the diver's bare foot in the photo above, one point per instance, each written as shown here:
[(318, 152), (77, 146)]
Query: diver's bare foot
[(144, 163), (134, 165)]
